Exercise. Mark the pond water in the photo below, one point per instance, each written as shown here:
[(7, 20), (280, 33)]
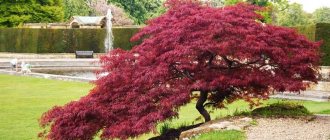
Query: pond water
[(83, 74)]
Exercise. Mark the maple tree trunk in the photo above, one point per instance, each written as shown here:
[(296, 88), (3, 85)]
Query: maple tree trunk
[(200, 105)]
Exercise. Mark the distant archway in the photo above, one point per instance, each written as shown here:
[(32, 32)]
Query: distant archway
[(75, 25), (103, 22)]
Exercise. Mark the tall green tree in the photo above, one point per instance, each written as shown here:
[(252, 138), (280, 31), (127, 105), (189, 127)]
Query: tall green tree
[(232, 2), (15, 13), (259, 2), (294, 15), (263, 3), (322, 15), (272, 7), (75, 7), (254, 2), (141, 10)]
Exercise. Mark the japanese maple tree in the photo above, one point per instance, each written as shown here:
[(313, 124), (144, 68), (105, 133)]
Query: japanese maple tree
[(225, 53)]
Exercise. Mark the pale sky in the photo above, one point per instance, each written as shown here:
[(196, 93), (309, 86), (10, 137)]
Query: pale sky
[(310, 5)]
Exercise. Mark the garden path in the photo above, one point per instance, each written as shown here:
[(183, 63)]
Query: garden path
[(290, 129)]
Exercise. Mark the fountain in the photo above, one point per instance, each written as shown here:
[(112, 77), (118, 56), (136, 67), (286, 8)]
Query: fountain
[(108, 42)]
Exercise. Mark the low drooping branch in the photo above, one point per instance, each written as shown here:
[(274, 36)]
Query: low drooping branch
[(200, 105)]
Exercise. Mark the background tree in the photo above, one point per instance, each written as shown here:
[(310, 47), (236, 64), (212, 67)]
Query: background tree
[(294, 15), (271, 11), (232, 2), (140, 10), (100, 7), (14, 13), (222, 52), (76, 8), (322, 15), (277, 7)]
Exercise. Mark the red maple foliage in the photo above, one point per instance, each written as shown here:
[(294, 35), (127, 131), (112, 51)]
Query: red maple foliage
[(224, 53)]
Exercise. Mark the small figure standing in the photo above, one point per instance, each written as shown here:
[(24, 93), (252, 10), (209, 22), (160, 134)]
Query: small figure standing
[(13, 64), (22, 65), (25, 68)]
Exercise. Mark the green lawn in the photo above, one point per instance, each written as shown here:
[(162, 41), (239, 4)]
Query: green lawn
[(24, 99), (222, 135)]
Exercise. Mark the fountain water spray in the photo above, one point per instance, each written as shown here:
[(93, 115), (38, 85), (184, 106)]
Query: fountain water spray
[(108, 43)]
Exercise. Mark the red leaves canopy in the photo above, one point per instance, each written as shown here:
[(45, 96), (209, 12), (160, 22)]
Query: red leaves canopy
[(190, 47)]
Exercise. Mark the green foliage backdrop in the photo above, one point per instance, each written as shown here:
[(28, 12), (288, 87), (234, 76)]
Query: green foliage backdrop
[(322, 15), (61, 40), (16, 12), (141, 10)]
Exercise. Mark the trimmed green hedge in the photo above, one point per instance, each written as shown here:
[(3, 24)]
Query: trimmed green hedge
[(69, 40), (122, 37), (318, 32), (323, 33), (62, 40), (308, 31)]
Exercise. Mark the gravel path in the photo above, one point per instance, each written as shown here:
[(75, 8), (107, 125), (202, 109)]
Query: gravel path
[(290, 129)]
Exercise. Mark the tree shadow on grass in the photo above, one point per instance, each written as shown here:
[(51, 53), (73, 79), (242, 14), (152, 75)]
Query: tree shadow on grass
[(174, 134)]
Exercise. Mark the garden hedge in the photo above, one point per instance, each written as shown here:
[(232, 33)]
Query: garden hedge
[(322, 32), (308, 31), (24, 40), (69, 40), (318, 32)]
